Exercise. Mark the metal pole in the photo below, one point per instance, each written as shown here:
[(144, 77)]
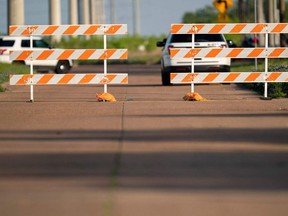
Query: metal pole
[(193, 61), (31, 71), (255, 36), (105, 62), (266, 67)]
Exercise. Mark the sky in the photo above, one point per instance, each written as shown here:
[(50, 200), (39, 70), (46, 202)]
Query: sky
[(155, 15)]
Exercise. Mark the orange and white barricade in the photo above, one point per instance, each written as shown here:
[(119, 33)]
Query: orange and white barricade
[(235, 77), (68, 54)]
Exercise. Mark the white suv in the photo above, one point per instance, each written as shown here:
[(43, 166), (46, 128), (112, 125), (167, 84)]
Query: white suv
[(169, 65), (8, 43)]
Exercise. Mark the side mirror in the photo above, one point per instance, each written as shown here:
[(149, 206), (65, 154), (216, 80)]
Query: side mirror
[(161, 43)]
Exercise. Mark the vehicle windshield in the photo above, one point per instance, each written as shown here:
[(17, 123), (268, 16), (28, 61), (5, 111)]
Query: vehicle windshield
[(186, 38)]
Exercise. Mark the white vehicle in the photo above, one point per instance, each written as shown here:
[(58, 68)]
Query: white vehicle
[(169, 65), (8, 43)]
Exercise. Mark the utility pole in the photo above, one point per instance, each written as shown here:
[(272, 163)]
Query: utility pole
[(282, 20), (15, 12), (55, 16), (136, 16)]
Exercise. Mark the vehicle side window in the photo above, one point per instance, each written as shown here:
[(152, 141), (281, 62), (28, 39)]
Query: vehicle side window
[(186, 38), (25, 43), (40, 44), (6, 43), (36, 43)]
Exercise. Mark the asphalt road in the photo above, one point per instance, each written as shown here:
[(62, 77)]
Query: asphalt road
[(149, 153)]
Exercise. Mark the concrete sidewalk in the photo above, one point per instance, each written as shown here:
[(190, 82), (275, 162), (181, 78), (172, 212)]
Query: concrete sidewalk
[(150, 153)]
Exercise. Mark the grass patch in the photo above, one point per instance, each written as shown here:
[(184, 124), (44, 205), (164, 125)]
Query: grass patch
[(8, 69), (275, 90)]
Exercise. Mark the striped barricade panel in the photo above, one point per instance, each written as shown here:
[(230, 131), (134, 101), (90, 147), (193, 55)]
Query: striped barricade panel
[(96, 29), (72, 54), (184, 53), (68, 79), (236, 28), (233, 77)]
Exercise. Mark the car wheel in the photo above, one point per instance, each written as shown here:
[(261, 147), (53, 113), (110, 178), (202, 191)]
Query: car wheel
[(62, 67), (165, 78)]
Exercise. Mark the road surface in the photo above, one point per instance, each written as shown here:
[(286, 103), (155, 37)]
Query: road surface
[(149, 153)]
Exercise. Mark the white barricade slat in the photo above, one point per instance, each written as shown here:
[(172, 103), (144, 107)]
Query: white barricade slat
[(236, 28), (95, 29), (233, 77), (68, 79), (72, 54), (187, 53)]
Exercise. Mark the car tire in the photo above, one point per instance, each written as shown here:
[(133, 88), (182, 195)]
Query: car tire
[(62, 67), (165, 78)]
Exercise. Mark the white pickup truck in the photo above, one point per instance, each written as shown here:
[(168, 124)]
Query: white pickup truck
[(8, 43)]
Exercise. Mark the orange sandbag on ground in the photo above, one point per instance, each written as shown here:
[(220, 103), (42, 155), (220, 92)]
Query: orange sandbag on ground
[(193, 96), (105, 97)]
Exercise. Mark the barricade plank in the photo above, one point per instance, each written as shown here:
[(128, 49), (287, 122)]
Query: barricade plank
[(68, 79), (72, 54), (95, 29), (233, 77)]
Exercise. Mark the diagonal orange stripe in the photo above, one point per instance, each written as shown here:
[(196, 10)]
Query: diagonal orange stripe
[(276, 52), (199, 27), (252, 77), (24, 79), (12, 29), (176, 28), (86, 54), (172, 76), (258, 28), (279, 27), (238, 28), (24, 55), (192, 53), (29, 30), (65, 54), (107, 54), (187, 78), (92, 29), (210, 77), (274, 76), (107, 79), (66, 78), (125, 80), (110, 77), (45, 79), (113, 29), (235, 52), (217, 28), (173, 52), (87, 78), (50, 30), (44, 55), (71, 30), (231, 77), (213, 53), (256, 52), (124, 56)]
